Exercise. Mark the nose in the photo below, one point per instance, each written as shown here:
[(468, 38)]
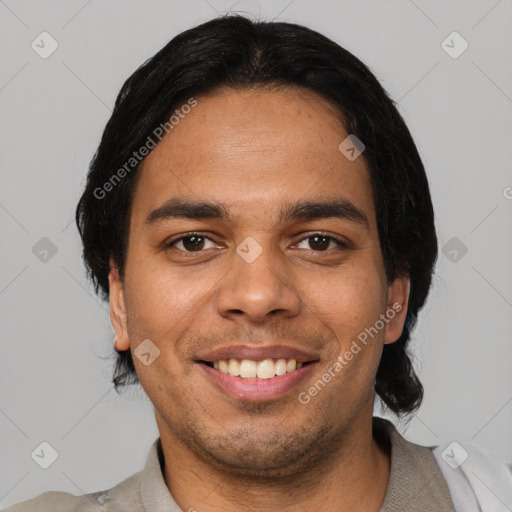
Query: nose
[(257, 290)]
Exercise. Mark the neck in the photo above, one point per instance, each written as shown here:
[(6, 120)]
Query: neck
[(353, 476)]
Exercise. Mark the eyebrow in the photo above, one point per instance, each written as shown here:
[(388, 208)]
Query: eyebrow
[(303, 210), (187, 209), (312, 210)]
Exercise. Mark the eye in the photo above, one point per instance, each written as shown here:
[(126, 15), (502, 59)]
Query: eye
[(194, 242), (319, 242)]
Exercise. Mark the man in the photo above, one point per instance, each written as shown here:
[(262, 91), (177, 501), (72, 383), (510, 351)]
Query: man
[(259, 218)]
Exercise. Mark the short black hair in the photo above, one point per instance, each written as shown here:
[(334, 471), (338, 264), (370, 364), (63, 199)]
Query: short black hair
[(236, 52)]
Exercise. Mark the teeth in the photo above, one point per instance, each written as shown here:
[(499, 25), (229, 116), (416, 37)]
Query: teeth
[(248, 369), (280, 366), (234, 368), (266, 369)]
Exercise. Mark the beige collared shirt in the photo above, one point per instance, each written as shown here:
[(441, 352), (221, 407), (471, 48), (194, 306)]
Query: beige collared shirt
[(415, 485)]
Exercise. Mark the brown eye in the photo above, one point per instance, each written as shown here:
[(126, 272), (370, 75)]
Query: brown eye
[(319, 242), (190, 243), (193, 243)]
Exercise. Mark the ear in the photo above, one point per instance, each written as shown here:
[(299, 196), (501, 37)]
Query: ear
[(117, 308), (398, 298)]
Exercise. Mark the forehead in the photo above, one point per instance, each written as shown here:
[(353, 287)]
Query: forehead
[(253, 150)]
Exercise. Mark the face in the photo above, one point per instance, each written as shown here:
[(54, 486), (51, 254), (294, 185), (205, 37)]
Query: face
[(253, 249)]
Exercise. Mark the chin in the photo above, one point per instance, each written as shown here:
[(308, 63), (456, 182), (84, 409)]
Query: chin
[(266, 456)]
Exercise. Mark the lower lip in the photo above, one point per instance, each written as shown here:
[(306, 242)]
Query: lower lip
[(258, 389)]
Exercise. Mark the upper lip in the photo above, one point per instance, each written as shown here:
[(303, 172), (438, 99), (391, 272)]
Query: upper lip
[(258, 353)]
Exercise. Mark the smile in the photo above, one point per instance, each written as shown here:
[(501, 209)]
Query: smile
[(251, 369), (257, 381)]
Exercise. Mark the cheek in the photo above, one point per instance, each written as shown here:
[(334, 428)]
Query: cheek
[(351, 306), (349, 299), (163, 304)]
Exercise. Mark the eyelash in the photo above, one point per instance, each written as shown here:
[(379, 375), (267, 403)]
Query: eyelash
[(341, 244)]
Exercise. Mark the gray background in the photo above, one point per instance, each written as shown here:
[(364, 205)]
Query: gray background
[(56, 350)]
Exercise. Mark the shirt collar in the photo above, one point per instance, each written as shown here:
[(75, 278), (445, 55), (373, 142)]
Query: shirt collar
[(154, 493), (415, 478)]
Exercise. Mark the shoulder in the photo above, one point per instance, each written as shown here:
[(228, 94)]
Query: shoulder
[(474, 480), (56, 502), (120, 498), (473, 473), (137, 492)]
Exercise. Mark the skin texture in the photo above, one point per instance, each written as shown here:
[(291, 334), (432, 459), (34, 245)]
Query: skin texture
[(254, 151)]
